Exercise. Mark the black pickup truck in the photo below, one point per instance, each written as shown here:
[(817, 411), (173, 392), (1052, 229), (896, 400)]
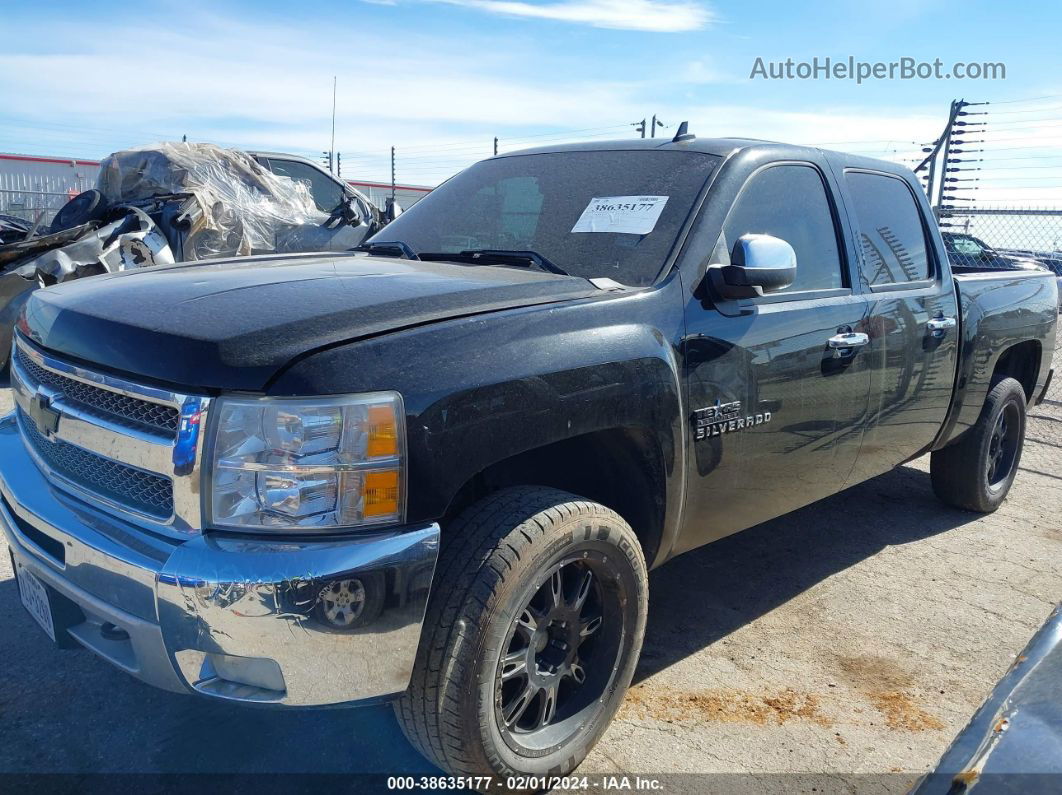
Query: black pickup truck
[(438, 470)]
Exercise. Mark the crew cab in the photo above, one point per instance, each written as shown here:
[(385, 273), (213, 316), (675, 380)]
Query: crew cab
[(438, 469)]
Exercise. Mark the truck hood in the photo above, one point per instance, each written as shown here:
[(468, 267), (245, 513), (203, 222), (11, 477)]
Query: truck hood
[(232, 324)]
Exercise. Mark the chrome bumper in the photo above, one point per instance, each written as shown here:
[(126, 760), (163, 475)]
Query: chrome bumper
[(231, 617)]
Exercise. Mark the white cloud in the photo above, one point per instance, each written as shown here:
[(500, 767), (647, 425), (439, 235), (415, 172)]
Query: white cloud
[(654, 16), (84, 87), (877, 131), (256, 84)]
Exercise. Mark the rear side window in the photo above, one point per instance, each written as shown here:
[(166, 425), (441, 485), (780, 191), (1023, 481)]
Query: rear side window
[(790, 203), (891, 236)]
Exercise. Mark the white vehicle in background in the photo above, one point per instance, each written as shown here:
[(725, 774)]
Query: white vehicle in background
[(327, 190), (179, 202)]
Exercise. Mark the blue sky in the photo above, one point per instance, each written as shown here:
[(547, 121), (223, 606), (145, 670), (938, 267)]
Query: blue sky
[(439, 79)]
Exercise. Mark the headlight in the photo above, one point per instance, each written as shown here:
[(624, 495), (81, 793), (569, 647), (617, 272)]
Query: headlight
[(307, 464)]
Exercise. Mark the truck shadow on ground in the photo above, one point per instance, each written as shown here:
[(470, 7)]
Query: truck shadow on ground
[(703, 596), (69, 712)]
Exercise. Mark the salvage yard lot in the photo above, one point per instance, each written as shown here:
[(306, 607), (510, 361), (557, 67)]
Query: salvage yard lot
[(854, 636)]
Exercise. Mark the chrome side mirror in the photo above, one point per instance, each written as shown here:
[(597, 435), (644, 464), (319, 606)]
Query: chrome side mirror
[(758, 264)]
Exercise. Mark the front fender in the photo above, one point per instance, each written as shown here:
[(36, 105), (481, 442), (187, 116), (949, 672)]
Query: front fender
[(482, 389)]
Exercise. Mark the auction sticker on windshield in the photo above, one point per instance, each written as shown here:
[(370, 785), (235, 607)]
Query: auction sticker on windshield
[(632, 215)]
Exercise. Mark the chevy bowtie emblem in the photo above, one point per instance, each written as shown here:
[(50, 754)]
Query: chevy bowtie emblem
[(43, 415)]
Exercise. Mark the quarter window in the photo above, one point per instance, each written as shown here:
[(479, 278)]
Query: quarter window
[(891, 236), (790, 202)]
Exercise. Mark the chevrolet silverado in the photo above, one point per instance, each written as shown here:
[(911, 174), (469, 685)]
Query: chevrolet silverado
[(437, 470)]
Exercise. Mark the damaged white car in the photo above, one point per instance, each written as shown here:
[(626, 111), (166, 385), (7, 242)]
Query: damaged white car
[(178, 202)]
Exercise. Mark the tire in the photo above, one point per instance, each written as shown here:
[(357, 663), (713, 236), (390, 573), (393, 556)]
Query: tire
[(501, 562), (977, 471), (82, 209)]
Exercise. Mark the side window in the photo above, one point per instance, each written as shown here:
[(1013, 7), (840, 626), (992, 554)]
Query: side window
[(891, 236), (326, 193), (790, 203)]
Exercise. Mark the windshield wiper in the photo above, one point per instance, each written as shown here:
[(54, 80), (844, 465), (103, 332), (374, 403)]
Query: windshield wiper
[(389, 248), (496, 255)]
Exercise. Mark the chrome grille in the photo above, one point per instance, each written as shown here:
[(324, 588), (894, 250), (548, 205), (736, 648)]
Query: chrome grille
[(143, 491), (131, 449), (112, 404)]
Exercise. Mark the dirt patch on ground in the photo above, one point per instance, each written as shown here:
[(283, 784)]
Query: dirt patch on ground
[(901, 711), (868, 672), (891, 690), (722, 706)]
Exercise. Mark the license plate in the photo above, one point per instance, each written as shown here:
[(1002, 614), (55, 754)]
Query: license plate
[(35, 599)]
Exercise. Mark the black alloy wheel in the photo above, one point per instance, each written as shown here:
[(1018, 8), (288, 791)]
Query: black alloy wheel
[(561, 652)]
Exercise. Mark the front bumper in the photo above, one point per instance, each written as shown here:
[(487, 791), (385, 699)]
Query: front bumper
[(232, 617)]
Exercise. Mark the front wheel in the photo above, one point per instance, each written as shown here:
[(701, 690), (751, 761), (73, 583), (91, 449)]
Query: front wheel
[(976, 472), (531, 636)]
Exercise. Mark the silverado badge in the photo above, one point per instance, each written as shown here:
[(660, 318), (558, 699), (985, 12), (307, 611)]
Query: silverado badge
[(724, 418)]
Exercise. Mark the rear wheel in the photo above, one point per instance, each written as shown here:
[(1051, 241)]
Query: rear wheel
[(531, 637), (976, 472)]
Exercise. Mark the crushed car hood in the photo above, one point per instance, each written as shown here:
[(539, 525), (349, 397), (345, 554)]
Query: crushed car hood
[(233, 324)]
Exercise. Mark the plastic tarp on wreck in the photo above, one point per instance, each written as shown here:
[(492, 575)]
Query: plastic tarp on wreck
[(232, 205)]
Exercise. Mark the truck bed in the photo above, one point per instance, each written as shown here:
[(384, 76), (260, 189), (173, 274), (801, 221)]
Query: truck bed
[(998, 310)]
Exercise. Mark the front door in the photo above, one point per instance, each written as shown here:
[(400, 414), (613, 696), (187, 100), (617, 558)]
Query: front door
[(778, 413)]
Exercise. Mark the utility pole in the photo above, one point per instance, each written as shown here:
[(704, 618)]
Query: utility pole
[(639, 127), (495, 145), (326, 158), (339, 164), (655, 125), (392, 175), (332, 147)]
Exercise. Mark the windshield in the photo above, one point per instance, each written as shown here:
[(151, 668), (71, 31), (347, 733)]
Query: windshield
[(967, 246), (612, 214)]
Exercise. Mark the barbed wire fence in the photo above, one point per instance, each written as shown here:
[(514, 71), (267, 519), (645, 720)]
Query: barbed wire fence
[(994, 177)]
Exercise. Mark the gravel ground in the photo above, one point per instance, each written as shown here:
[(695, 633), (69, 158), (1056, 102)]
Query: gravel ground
[(853, 637)]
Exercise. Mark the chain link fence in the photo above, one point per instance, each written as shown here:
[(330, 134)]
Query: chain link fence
[(1003, 237), (29, 205)]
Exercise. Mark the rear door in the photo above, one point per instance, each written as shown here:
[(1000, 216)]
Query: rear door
[(777, 414), (913, 325)]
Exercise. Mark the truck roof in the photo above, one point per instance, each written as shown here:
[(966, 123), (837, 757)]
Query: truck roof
[(720, 147)]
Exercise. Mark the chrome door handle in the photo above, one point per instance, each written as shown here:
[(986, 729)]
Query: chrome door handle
[(940, 323), (853, 339), (845, 344)]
